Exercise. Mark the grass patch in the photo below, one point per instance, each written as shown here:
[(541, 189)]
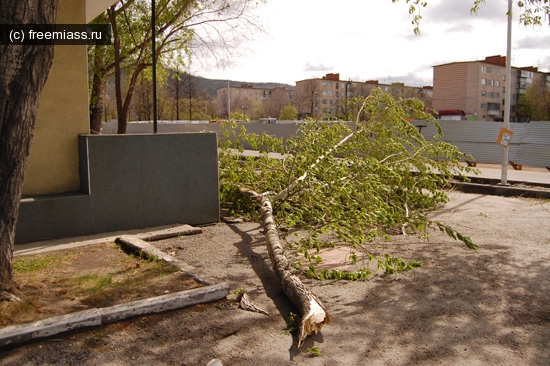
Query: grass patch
[(95, 276)]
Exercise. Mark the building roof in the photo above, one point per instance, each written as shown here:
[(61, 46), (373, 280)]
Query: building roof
[(493, 60)]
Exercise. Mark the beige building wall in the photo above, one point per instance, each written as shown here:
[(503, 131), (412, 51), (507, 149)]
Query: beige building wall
[(52, 166), (450, 91), (478, 87)]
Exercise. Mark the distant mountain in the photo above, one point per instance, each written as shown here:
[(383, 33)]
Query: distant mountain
[(211, 85)]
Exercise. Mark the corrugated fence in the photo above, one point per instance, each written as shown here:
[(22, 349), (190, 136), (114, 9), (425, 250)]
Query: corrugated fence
[(530, 144)]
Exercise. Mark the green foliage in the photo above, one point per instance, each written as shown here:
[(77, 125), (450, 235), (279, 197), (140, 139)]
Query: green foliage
[(239, 117), (392, 265), (336, 274), (24, 265), (535, 102), (531, 12), (314, 351), (293, 323), (355, 182), (288, 113)]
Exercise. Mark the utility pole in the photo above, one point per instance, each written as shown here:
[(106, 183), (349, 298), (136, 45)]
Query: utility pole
[(507, 102)]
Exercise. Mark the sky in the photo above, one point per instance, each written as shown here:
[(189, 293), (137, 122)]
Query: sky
[(374, 40)]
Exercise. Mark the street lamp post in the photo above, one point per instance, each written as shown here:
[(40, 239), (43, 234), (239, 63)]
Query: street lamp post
[(154, 55)]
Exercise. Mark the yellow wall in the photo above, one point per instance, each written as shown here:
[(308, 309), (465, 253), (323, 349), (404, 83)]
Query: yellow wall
[(62, 115)]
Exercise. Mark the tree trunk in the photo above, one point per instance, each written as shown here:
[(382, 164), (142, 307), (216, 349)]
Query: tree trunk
[(312, 311), (97, 98), (100, 72), (24, 72), (124, 106)]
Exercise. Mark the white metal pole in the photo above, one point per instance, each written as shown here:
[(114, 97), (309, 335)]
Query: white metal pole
[(507, 101)]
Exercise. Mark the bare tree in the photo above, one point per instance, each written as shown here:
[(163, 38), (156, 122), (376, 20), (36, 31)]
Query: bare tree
[(277, 101), (191, 93), (307, 95)]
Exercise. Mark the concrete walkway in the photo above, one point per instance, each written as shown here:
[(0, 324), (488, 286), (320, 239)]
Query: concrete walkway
[(528, 175)]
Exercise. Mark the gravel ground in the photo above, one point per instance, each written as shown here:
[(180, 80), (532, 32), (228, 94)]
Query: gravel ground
[(462, 307)]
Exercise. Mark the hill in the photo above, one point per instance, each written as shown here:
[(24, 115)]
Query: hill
[(211, 85)]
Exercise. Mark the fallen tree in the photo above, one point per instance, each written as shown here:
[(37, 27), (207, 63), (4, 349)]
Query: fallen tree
[(356, 183), (312, 311)]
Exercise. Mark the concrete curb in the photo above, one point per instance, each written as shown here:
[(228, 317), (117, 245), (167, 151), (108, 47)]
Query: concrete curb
[(98, 316), (498, 190), (133, 243)]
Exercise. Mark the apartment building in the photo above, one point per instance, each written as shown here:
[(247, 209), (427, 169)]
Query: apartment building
[(244, 97), (324, 97), (476, 90)]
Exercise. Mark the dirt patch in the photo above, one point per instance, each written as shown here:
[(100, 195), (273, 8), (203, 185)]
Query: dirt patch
[(101, 275), (462, 307)]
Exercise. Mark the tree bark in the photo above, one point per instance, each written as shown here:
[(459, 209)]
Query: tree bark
[(97, 98), (123, 106), (312, 311), (24, 72)]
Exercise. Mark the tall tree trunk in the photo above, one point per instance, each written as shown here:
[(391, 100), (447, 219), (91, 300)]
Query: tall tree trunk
[(97, 97), (24, 73), (124, 106)]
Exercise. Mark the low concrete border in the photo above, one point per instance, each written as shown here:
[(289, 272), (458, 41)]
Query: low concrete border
[(98, 316)]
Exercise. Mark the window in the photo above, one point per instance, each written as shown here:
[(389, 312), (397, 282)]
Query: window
[(483, 105), (497, 82), (483, 68), (483, 93), (483, 81)]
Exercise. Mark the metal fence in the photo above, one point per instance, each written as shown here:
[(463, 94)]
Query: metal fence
[(529, 146)]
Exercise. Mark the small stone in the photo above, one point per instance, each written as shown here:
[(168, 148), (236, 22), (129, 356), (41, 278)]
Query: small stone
[(232, 220)]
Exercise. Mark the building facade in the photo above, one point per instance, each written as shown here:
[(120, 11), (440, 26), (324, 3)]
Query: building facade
[(255, 102), (326, 97), (477, 89)]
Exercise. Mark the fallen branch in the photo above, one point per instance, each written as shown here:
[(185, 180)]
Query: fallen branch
[(312, 311)]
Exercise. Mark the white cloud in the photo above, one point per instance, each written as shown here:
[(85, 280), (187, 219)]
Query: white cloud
[(374, 40)]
